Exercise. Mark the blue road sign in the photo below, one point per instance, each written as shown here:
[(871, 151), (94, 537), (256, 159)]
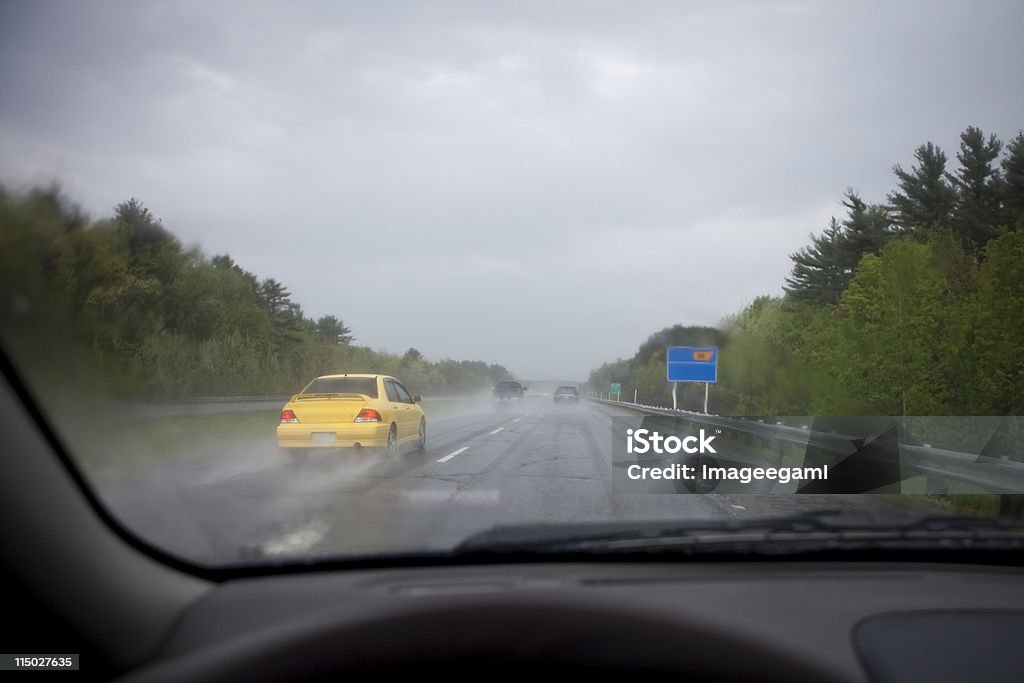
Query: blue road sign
[(692, 364)]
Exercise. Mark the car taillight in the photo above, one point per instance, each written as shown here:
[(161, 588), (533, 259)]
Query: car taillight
[(289, 417), (368, 415)]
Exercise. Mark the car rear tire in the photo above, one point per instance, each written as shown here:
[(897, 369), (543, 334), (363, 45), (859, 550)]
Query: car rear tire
[(421, 445), (392, 446)]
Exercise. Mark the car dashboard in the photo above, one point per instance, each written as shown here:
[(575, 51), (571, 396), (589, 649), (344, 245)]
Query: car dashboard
[(717, 621)]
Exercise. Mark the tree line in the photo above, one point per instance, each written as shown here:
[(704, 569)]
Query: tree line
[(910, 306), (119, 306)]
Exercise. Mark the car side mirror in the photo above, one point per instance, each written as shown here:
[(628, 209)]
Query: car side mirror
[(417, 398)]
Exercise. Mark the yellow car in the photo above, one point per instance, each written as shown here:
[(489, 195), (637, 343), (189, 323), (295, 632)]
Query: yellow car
[(352, 411)]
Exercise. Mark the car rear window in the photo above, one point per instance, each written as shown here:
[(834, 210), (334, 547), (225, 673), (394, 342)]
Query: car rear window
[(343, 385), (566, 390)]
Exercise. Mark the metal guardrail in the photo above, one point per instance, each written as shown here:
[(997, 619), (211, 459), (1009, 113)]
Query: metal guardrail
[(201, 400), (208, 405), (995, 474), (212, 405)]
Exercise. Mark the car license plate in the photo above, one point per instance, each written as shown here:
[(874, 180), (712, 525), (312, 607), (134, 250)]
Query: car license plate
[(323, 437)]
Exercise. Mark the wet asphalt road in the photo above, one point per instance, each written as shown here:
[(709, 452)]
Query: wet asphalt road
[(515, 463)]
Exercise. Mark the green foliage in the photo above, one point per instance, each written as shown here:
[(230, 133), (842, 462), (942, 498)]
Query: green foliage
[(677, 335), (601, 378), (759, 371), (119, 306), (894, 333), (916, 308), (645, 372), (998, 324)]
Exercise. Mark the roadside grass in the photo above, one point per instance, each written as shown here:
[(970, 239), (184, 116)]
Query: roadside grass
[(147, 439), (956, 497), (984, 504), (158, 438)]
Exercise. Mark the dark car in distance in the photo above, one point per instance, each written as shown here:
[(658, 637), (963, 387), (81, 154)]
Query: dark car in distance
[(566, 395), (508, 390)]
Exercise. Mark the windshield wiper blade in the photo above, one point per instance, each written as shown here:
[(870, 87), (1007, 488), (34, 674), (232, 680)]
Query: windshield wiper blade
[(821, 528)]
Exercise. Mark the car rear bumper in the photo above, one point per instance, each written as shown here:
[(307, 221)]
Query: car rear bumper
[(367, 435)]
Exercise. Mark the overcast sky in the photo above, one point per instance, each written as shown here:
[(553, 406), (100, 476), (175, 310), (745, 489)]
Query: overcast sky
[(536, 184)]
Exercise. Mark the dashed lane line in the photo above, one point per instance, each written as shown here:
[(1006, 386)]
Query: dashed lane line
[(453, 454), (466, 448)]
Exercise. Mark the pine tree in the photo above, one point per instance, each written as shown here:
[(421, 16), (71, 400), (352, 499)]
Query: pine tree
[(978, 182), (285, 315), (865, 230), (1013, 183), (925, 199), (330, 330), (820, 271)]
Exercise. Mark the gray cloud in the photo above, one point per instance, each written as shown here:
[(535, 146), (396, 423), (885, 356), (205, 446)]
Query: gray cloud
[(537, 184)]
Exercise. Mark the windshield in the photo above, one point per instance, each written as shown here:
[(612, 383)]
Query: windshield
[(773, 250)]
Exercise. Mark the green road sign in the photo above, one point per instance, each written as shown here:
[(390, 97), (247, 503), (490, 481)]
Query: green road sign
[(616, 388)]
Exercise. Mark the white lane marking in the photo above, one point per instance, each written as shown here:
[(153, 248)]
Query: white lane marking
[(496, 430), (517, 419), (739, 507), (296, 542), (453, 454)]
